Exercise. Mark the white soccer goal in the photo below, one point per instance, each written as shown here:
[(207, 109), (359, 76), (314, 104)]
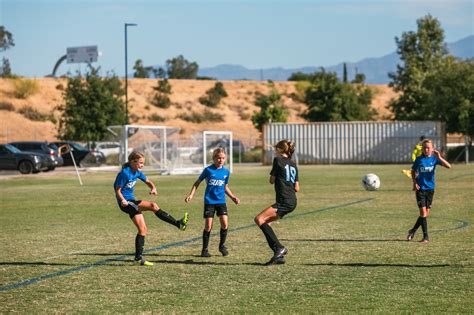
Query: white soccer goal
[(166, 150)]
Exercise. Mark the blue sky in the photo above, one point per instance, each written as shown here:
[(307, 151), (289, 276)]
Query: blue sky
[(255, 34)]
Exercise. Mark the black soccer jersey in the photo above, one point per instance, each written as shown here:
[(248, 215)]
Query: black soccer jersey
[(286, 175)]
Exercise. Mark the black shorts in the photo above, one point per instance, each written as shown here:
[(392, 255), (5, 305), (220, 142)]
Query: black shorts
[(132, 208), (283, 208), (424, 198), (209, 210)]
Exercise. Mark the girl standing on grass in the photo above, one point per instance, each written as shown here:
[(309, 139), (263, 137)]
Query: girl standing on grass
[(124, 187), (423, 175), (217, 181), (284, 175)]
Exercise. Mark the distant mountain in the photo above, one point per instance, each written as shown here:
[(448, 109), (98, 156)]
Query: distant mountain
[(375, 69)]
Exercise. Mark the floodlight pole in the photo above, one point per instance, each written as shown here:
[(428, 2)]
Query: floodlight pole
[(126, 71)]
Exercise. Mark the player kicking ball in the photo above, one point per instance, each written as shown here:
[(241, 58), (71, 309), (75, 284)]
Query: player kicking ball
[(124, 187)]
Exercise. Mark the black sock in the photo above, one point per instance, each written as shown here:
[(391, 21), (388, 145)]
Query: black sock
[(272, 239), (205, 239), (424, 227), (223, 237), (163, 215), (417, 224), (139, 244)]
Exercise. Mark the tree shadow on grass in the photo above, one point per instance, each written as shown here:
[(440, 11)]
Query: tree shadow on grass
[(33, 263), (344, 240), (381, 265)]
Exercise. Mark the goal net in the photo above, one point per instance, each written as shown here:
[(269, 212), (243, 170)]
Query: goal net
[(166, 150)]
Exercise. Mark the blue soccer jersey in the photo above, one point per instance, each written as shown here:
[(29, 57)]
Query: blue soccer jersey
[(127, 180), (425, 168), (216, 179)]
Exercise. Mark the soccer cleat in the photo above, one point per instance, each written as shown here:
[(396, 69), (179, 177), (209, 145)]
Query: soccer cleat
[(275, 261), (411, 234), (424, 241), (205, 253), (183, 223), (223, 250), (142, 262), (280, 252)]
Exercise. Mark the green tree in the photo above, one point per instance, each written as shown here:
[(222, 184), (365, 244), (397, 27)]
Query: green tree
[(163, 90), (6, 39), (214, 95), (140, 70), (328, 99), (421, 54), (344, 73), (359, 78), (7, 70), (451, 97), (271, 109), (180, 68), (91, 103)]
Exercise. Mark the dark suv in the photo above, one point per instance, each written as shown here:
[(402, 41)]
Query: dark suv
[(82, 156), (26, 162), (47, 148)]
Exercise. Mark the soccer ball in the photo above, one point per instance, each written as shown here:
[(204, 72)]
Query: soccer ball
[(371, 182)]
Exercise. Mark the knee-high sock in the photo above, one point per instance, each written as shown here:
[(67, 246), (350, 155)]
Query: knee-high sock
[(205, 239), (139, 244), (417, 224), (163, 215), (223, 237), (424, 227), (272, 239)]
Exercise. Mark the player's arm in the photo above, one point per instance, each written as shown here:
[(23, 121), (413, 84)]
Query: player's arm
[(231, 195), (152, 187), (118, 192), (190, 196), (297, 186), (414, 173), (443, 161), (271, 180)]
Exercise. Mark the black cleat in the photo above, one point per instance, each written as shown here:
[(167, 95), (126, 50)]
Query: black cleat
[(275, 261), (223, 250), (205, 253), (411, 234), (280, 252)]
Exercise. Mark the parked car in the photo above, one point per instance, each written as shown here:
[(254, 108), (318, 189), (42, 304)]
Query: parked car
[(47, 148), (82, 155), (12, 158), (108, 148)]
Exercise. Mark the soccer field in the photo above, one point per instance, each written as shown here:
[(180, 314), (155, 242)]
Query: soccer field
[(66, 248)]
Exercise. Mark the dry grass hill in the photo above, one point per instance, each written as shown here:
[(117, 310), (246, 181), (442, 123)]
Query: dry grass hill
[(236, 109)]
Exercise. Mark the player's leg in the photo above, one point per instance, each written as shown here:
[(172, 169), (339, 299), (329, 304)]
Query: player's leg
[(163, 215), (419, 220), (262, 219), (223, 219), (206, 234), (425, 212), (139, 222)]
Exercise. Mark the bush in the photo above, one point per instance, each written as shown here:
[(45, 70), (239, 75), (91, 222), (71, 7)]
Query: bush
[(7, 106), (156, 117), (213, 95), (32, 114), (252, 156), (207, 115), (24, 88), (161, 100)]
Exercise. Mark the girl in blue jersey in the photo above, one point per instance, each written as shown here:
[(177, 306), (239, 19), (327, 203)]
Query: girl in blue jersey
[(217, 180), (423, 175), (284, 176), (124, 187)]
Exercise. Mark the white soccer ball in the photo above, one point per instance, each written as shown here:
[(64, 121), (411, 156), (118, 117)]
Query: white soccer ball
[(371, 182)]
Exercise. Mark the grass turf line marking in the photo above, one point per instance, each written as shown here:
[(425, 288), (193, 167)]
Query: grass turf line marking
[(175, 244)]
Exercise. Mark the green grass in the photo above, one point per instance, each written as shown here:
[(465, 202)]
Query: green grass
[(76, 245)]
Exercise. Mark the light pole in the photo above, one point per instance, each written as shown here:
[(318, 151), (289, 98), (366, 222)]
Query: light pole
[(126, 71)]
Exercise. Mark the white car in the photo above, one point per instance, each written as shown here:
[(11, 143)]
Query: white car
[(108, 148)]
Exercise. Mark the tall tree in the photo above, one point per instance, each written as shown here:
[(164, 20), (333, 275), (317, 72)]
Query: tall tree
[(180, 68), (421, 53), (140, 70), (6, 69), (271, 109), (90, 105), (344, 73), (6, 39)]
